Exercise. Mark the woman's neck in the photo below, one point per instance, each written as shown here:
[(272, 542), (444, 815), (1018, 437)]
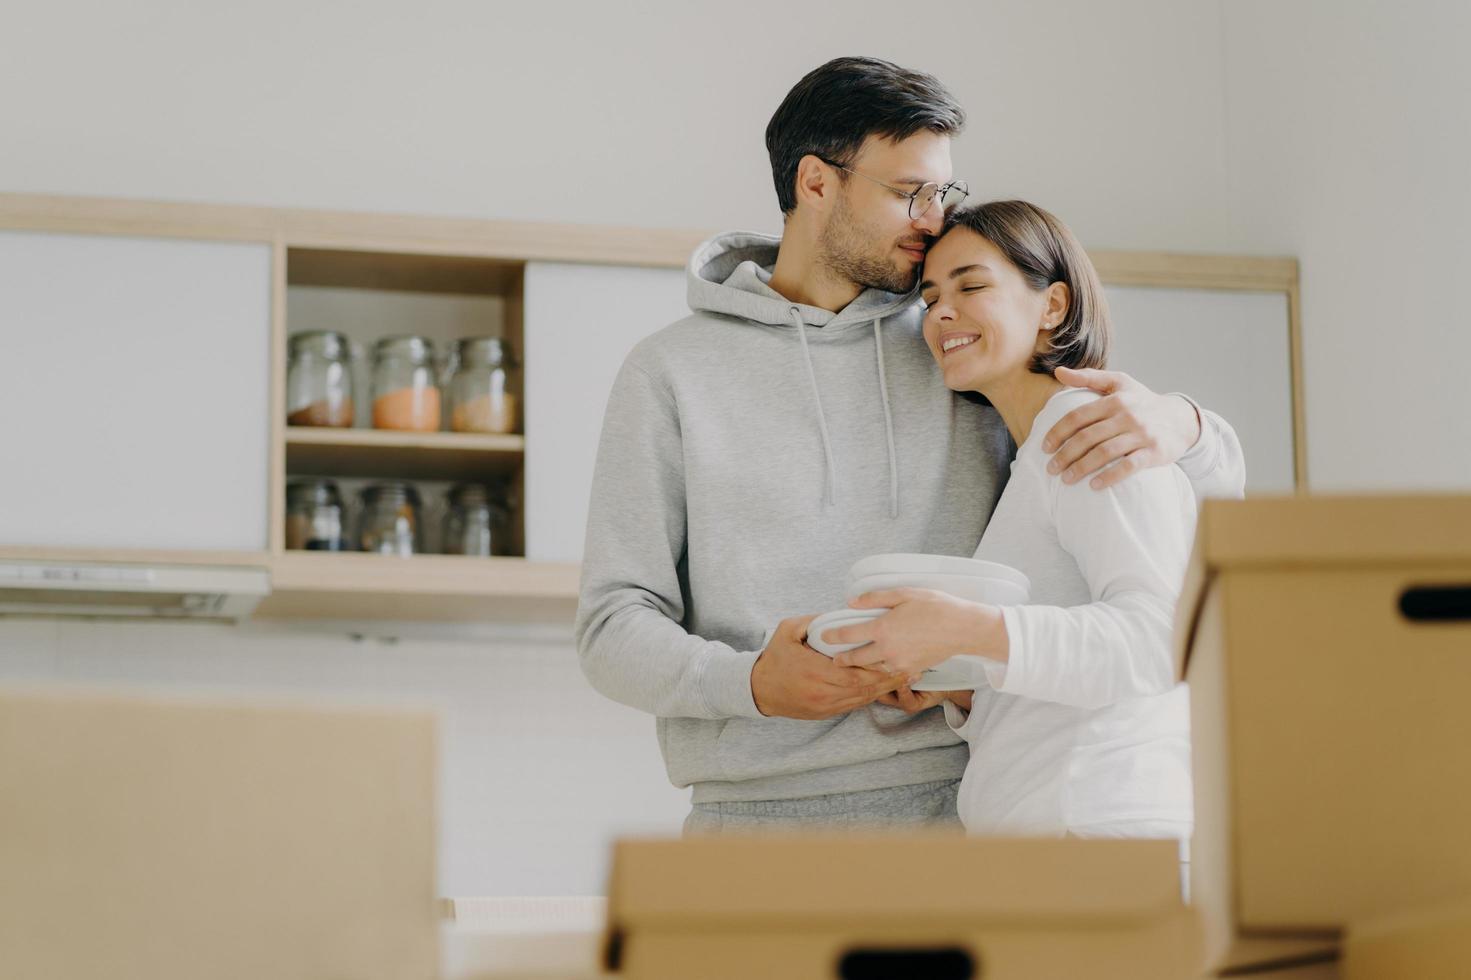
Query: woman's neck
[(1019, 398)]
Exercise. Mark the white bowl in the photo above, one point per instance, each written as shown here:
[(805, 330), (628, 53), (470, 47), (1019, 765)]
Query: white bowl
[(835, 620), (994, 591), (906, 564), (952, 675)]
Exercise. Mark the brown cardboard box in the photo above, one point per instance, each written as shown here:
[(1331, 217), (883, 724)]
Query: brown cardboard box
[(1320, 966), (175, 840), (1332, 727), (1423, 945), (928, 907), (1317, 967)]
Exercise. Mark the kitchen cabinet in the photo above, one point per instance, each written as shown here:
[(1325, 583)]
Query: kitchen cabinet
[(1230, 351), (580, 322), (142, 381), (134, 388)]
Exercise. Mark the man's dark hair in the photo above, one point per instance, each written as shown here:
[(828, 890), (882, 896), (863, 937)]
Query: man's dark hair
[(831, 111)]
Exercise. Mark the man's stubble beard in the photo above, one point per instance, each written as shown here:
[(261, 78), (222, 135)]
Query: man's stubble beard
[(847, 254)]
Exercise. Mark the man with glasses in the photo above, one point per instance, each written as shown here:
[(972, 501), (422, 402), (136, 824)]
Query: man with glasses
[(794, 423)]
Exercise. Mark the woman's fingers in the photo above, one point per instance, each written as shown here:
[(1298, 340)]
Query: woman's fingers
[(866, 656), (860, 633), (883, 599)]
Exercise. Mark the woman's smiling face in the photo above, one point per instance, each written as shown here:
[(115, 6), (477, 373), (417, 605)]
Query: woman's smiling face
[(982, 321)]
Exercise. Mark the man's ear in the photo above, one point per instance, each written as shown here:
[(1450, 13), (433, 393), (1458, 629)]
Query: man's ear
[(816, 182)]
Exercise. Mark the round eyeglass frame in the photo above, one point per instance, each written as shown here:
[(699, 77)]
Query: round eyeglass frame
[(936, 192)]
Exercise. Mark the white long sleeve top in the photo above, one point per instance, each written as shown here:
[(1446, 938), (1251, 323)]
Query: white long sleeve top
[(1084, 724)]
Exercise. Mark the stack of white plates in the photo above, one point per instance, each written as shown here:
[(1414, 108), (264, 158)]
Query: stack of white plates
[(964, 578)]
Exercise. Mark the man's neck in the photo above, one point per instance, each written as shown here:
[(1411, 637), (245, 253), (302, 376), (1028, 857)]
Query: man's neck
[(801, 278)]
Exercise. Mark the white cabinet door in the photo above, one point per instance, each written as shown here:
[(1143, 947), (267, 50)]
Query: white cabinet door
[(1230, 351), (580, 322), (134, 388)]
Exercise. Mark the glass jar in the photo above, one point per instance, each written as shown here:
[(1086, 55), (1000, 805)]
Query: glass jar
[(480, 390), (476, 521), (319, 380), (314, 516), (388, 523), (405, 396)]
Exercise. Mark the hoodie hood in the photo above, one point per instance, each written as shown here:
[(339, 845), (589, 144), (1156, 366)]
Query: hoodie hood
[(731, 274)]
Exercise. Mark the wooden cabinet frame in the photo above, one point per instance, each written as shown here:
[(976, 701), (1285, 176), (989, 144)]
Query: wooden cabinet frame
[(441, 254)]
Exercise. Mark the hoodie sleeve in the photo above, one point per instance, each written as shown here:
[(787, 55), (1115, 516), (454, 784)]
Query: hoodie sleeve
[(1215, 464), (630, 639), (1131, 543)]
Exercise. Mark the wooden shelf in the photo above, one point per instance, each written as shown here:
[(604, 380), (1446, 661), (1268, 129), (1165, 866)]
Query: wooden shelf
[(136, 556), (445, 588), (408, 272), (355, 586), (403, 455)]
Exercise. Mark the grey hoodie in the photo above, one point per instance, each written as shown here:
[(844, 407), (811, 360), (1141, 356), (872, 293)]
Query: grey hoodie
[(750, 453)]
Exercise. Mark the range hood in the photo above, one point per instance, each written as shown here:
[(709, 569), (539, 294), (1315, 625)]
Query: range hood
[(99, 590)]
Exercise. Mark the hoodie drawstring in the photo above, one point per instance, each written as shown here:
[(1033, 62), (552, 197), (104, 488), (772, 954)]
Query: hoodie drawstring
[(878, 343), (827, 449)]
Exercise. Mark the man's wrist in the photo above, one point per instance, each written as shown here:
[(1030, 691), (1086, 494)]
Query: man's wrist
[(1192, 423), (728, 682)]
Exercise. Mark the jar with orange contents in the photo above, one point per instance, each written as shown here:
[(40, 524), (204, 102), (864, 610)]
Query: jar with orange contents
[(481, 389), (405, 394)]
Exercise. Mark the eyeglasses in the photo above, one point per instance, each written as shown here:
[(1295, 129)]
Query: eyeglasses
[(920, 201)]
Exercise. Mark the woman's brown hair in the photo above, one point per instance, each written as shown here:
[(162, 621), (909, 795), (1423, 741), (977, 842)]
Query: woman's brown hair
[(1045, 251)]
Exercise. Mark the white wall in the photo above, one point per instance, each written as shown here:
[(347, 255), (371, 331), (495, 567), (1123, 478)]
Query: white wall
[(1349, 145), (1160, 124), (639, 114)]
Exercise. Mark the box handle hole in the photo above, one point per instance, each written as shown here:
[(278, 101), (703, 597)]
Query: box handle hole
[(1436, 604), (919, 963)]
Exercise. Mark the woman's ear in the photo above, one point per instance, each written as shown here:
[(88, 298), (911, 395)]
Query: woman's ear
[(1059, 299), (1053, 313)]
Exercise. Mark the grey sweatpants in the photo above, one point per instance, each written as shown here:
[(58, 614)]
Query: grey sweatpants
[(927, 805)]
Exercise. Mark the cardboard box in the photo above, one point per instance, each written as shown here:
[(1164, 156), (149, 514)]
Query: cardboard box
[(1422, 945), (175, 840), (931, 907), (1318, 966), (1327, 642)]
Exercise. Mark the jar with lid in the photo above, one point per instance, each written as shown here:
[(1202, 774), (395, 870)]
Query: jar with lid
[(314, 516), (405, 395), (389, 519), (319, 380), (476, 521), (481, 393)]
